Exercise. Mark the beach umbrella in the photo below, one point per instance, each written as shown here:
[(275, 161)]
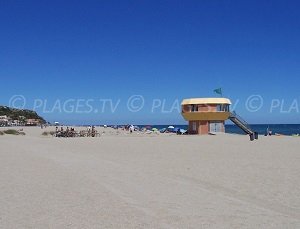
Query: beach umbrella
[(171, 127), (182, 131), (176, 129), (163, 130)]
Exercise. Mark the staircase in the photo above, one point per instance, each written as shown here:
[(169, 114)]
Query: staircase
[(237, 120)]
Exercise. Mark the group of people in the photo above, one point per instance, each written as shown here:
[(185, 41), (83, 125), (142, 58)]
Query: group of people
[(129, 128), (70, 132)]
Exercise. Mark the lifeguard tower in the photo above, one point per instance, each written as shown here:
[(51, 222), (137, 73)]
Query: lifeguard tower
[(208, 115)]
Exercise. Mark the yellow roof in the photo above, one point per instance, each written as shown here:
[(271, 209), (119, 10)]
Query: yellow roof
[(206, 101)]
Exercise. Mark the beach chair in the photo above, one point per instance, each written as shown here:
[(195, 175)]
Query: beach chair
[(82, 133), (97, 134)]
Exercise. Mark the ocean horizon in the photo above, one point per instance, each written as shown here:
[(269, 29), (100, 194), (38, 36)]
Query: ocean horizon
[(284, 129)]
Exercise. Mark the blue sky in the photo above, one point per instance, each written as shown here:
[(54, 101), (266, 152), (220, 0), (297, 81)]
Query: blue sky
[(167, 50)]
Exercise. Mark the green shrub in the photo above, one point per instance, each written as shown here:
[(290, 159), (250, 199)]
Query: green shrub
[(13, 132), (45, 133)]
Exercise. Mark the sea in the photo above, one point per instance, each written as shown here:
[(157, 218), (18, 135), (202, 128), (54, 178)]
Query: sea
[(284, 129)]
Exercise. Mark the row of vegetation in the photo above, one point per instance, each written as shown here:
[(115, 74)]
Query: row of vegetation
[(12, 132), (47, 133)]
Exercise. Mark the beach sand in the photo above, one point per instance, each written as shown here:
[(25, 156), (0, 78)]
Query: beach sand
[(120, 180)]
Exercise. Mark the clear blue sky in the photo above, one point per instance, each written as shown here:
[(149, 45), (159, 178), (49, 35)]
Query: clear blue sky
[(158, 49)]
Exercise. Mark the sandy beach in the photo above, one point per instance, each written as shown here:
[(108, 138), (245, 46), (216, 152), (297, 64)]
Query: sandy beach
[(120, 180)]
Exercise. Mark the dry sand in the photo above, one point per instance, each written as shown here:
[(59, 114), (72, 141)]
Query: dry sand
[(149, 181)]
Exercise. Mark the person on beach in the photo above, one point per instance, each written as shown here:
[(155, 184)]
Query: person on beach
[(93, 131), (89, 131), (268, 132), (131, 129)]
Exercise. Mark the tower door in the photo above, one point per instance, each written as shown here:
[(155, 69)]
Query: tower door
[(216, 127)]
